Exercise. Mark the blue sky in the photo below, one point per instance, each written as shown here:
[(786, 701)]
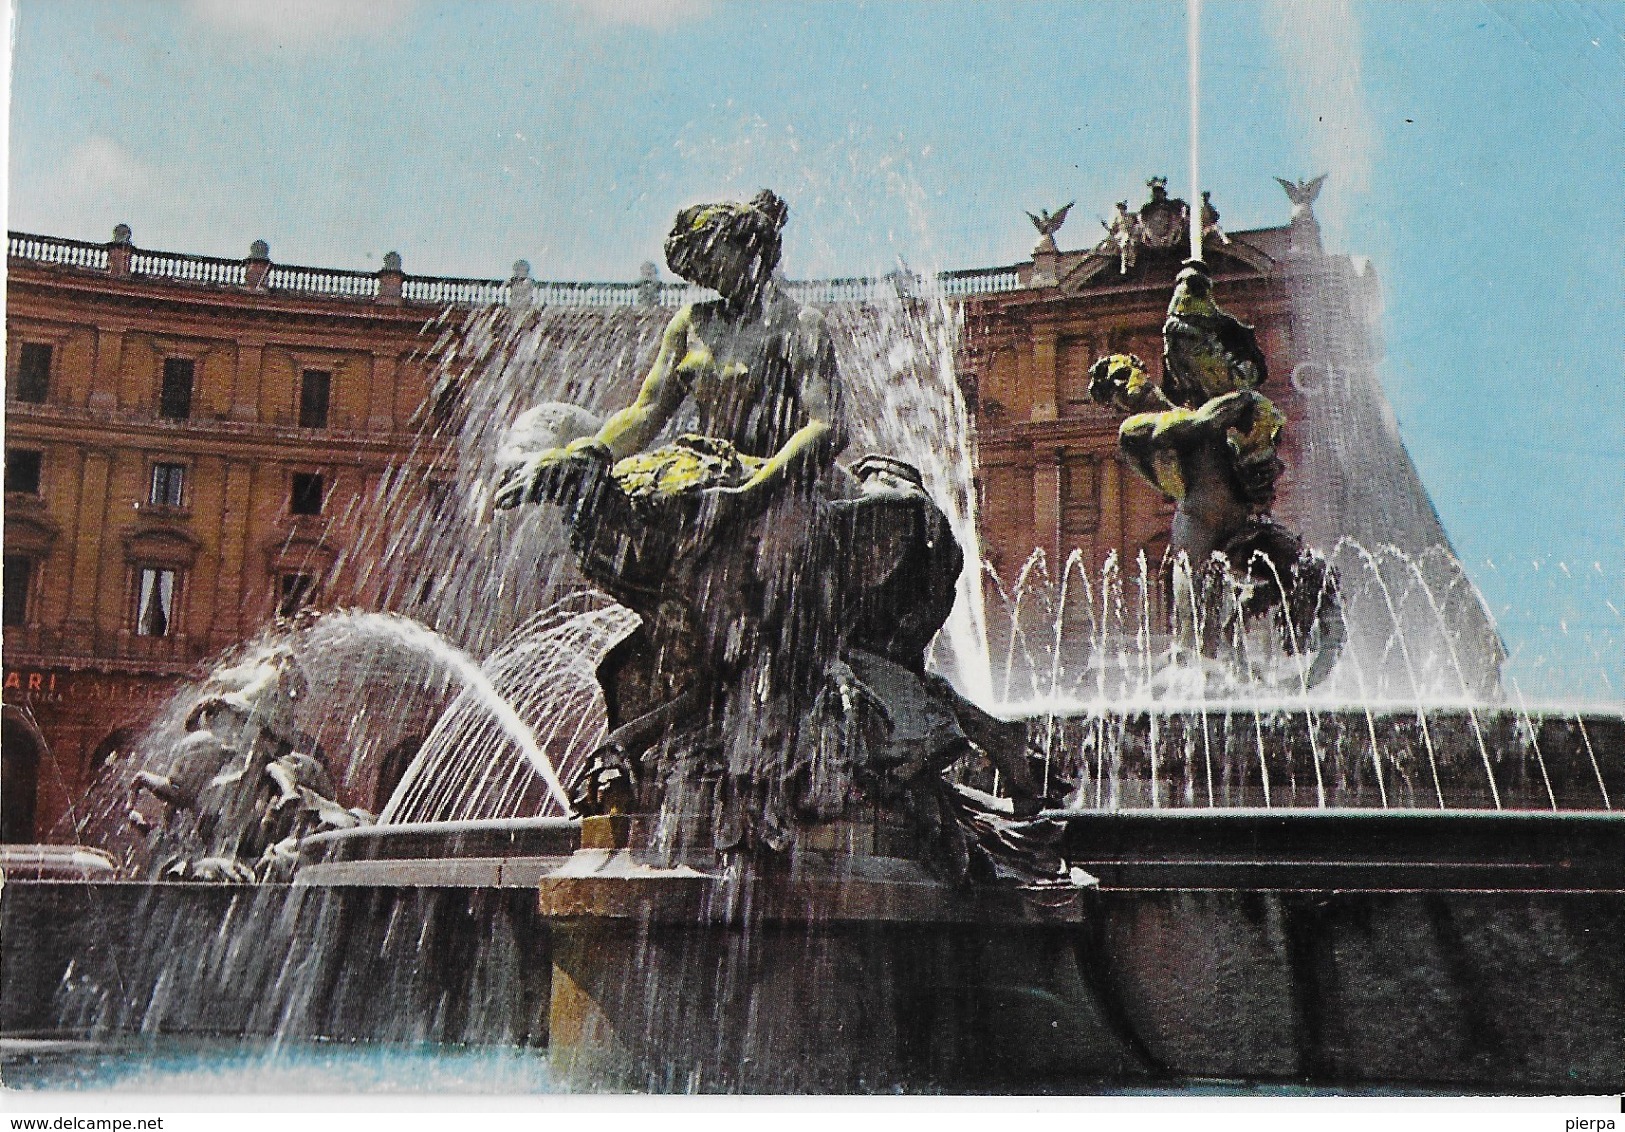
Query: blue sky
[(1476, 152)]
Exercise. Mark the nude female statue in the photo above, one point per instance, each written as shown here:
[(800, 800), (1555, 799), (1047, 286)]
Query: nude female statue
[(757, 367), (779, 593), (758, 372)]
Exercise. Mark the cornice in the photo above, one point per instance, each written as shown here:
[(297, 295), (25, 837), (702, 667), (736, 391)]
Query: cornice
[(99, 428), (158, 543), (1059, 430), (103, 665), (29, 528), (1141, 296), (25, 280)]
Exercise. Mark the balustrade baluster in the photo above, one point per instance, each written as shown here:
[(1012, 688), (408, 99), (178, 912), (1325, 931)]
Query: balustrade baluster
[(450, 292)]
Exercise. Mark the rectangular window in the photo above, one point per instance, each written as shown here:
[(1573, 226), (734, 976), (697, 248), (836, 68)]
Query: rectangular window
[(155, 602), (306, 497), (315, 388), (1080, 500), (23, 470), (294, 592), (175, 403), (33, 373), (168, 485), (19, 575), (1076, 356)]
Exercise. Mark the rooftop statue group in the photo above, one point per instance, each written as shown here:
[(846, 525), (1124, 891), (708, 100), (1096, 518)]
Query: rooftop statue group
[(1160, 224)]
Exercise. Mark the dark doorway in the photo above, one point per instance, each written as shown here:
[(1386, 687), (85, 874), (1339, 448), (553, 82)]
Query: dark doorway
[(315, 392), (19, 781), (119, 744), (393, 768), (33, 381), (175, 398)]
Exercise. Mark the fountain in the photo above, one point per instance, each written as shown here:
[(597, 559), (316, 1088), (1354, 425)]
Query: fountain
[(713, 820), (736, 798)]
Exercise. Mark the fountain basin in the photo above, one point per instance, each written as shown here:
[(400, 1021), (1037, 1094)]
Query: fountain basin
[(1455, 950), (55, 862), (1465, 951), (839, 969), (495, 853), (1462, 951), (1309, 756), (105, 960), (1348, 850)]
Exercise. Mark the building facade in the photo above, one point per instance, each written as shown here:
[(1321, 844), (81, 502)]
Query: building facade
[(185, 441)]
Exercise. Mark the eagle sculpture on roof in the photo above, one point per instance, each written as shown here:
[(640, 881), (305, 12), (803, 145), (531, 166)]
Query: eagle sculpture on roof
[(1302, 194), (1048, 223)]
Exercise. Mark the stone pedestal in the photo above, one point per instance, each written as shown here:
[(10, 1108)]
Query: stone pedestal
[(841, 971)]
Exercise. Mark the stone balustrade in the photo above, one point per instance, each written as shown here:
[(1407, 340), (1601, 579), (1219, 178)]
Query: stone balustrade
[(205, 270), (56, 251), (323, 282), (390, 285)]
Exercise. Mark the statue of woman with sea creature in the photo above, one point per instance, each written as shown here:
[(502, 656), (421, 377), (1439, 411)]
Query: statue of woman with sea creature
[(778, 678)]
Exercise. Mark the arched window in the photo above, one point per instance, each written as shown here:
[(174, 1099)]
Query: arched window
[(118, 744)]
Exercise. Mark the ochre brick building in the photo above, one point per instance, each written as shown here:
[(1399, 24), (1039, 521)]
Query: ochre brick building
[(184, 439)]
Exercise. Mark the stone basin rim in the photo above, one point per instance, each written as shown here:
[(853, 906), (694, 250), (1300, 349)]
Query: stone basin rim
[(1407, 814), (323, 844), (449, 828), (1040, 711)]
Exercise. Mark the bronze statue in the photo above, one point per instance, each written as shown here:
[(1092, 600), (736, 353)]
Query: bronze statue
[(1206, 438), (778, 678), (244, 784)]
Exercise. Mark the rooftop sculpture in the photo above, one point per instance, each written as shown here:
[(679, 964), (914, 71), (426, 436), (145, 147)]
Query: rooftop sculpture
[(1048, 223), (1162, 223), (1305, 228)]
